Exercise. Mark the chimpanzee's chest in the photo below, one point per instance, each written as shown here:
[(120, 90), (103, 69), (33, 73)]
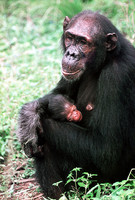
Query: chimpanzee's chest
[(85, 101)]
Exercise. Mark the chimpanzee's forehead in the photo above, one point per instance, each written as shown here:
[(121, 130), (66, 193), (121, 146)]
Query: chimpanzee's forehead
[(84, 27)]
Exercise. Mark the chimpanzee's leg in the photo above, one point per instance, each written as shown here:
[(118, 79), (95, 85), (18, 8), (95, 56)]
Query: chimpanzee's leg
[(48, 172)]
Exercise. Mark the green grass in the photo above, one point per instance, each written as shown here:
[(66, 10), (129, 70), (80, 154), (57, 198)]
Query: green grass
[(30, 61), (30, 54)]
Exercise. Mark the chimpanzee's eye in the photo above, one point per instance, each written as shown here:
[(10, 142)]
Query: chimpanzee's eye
[(68, 40), (83, 42), (69, 37)]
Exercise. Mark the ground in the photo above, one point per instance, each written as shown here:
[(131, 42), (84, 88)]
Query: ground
[(19, 188)]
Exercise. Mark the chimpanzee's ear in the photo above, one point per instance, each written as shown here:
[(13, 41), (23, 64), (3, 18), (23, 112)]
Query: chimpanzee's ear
[(111, 41), (66, 22)]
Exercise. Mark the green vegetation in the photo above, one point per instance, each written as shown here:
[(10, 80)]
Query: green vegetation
[(30, 60), (30, 55), (83, 188)]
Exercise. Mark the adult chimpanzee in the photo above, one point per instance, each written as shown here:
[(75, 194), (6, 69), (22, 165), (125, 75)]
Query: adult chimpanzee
[(98, 70)]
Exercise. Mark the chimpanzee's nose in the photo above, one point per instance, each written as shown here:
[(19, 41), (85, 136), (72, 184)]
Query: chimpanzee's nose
[(72, 52)]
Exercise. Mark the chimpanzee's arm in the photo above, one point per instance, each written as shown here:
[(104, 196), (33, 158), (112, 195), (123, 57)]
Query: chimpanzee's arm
[(87, 145), (53, 105)]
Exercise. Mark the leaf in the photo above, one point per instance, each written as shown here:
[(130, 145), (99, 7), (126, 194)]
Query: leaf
[(98, 194), (93, 188), (77, 169), (68, 181), (81, 184), (57, 183), (63, 198)]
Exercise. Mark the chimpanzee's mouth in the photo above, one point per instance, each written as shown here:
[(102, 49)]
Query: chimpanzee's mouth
[(70, 73)]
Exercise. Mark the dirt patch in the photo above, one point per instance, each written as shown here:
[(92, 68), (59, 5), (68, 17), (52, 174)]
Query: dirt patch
[(16, 187)]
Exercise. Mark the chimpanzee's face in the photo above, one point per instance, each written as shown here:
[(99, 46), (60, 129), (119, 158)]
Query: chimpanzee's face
[(81, 38), (79, 46)]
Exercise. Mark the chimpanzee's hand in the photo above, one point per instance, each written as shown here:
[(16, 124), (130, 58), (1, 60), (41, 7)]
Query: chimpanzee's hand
[(30, 132)]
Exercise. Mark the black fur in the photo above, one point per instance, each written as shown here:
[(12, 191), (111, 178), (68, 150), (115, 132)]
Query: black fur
[(104, 141)]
